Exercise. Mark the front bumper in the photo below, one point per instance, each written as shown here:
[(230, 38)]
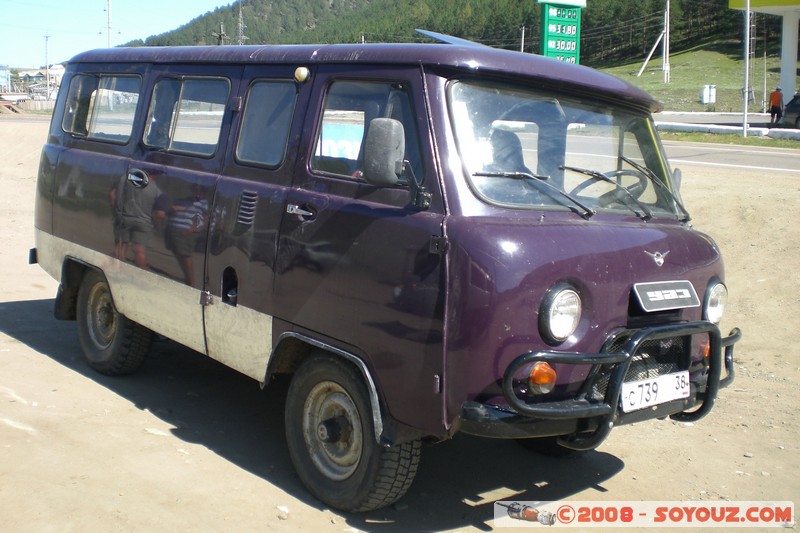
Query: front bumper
[(583, 422)]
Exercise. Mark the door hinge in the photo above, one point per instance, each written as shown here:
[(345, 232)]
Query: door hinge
[(206, 298), (437, 245)]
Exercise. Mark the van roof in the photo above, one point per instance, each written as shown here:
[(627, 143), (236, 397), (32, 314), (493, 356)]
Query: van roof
[(463, 57)]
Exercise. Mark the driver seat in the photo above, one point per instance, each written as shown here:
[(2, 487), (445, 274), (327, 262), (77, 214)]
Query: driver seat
[(507, 152)]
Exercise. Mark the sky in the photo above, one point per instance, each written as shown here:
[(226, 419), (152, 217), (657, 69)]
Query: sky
[(75, 26)]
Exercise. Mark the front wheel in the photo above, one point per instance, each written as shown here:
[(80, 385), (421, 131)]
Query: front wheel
[(112, 344), (331, 440)]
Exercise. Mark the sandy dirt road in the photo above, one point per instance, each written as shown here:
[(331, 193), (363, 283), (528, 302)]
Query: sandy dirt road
[(188, 445)]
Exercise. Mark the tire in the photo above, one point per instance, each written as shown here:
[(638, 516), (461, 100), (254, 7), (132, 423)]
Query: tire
[(547, 446), (112, 344), (331, 440)]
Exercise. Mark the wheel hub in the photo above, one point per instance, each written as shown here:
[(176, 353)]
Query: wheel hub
[(102, 317), (332, 430)]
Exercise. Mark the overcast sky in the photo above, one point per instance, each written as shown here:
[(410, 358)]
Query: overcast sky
[(74, 26)]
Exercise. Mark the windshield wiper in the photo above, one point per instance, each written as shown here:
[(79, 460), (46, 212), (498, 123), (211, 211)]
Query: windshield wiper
[(644, 215), (541, 181), (652, 175)]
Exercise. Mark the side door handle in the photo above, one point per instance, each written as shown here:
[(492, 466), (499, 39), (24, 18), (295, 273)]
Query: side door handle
[(138, 178), (297, 210)]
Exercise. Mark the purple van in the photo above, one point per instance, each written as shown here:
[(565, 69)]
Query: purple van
[(425, 238)]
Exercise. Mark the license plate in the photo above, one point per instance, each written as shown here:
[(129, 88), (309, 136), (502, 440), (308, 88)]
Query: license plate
[(653, 391)]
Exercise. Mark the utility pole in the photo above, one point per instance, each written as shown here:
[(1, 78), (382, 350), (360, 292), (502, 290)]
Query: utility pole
[(664, 35), (647, 59), (746, 91), (522, 45), (665, 65), (764, 106), (46, 67), (108, 10), (221, 36)]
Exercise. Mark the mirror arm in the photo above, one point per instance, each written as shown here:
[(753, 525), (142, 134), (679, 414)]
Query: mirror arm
[(420, 197)]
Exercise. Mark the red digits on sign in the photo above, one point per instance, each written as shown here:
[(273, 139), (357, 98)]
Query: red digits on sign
[(609, 514)]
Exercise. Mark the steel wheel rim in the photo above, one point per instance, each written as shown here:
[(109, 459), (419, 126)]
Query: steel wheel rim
[(337, 459), (102, 317)]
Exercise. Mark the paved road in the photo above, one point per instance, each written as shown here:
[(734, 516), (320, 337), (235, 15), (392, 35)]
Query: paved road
[(769, 160)]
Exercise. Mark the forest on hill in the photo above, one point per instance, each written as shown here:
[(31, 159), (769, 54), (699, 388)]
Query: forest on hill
[(612, 31)]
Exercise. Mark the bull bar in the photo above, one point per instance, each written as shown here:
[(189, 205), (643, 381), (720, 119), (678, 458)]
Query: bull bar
[(600, 417)]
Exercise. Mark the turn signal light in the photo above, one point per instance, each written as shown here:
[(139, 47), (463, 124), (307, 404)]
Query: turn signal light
[(705, 349), (542, 378)]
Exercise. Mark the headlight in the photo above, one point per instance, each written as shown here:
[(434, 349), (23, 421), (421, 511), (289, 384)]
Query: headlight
[(716, 297), (560, 314)]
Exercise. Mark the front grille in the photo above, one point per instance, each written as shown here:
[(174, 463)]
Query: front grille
[(654, 358)]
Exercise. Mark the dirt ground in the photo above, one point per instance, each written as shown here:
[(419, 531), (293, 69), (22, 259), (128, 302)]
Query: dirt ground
[(188, 445)]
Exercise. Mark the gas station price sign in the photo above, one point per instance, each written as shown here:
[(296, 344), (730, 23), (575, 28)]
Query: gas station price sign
[(561, 31)]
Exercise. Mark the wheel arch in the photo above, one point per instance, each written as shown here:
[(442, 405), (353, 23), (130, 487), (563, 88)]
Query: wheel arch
[(293, 348), (66, 303)]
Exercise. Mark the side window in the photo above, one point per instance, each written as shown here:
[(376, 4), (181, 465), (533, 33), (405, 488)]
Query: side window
[(349, 108), (102, 107), (265, 123), (186, 115)]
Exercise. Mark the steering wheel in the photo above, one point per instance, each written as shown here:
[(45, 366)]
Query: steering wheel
[(615, 195)]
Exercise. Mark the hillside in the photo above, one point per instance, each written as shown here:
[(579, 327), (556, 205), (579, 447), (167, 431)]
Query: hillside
[(616, 35), (613, 31), (719, 64)]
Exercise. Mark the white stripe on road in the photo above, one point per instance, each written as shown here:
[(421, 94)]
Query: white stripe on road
[(727, 165)]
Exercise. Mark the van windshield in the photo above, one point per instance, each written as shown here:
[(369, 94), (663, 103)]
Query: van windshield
[(526, 149)]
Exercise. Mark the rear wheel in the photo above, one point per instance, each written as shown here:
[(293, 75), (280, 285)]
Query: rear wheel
[(331, 439), (112, 344)]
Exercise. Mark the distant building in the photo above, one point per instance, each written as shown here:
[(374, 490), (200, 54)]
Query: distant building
[(56, 73), (36, 82), (29, 77)]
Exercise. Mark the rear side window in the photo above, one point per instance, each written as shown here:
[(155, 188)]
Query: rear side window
[(265, 123), (102, 107), (186, 115)]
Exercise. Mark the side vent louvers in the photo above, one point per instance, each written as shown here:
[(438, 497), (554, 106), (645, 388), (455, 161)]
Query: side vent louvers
[(247, 208)]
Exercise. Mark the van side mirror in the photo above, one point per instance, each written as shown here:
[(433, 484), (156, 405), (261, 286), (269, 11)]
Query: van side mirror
[(384, 148), (384, 165)]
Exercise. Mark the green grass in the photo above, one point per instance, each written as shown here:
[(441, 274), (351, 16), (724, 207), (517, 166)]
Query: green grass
[(729, 139), (719, 64)]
